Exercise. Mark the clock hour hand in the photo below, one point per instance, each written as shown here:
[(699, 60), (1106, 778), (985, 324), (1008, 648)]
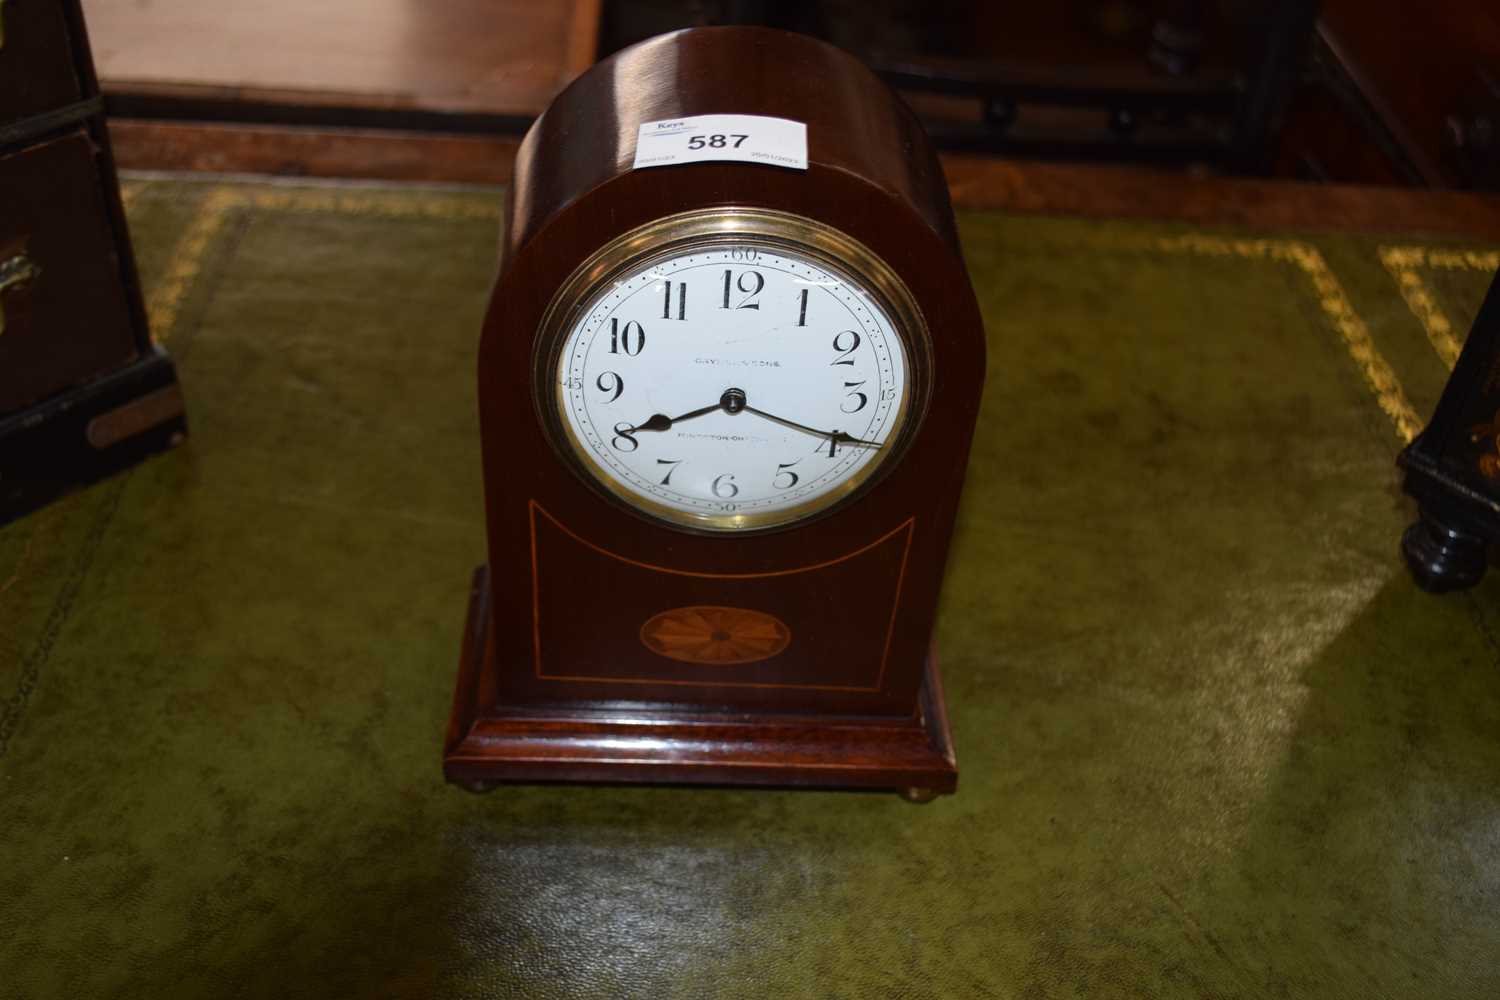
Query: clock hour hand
[(835, 438), (732, 401), (661, 422)]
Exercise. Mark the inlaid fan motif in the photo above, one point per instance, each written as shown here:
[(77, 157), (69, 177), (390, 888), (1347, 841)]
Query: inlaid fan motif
[(715, 635)]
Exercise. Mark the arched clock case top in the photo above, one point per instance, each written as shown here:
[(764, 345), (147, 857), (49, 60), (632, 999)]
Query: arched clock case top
[(566, 672)]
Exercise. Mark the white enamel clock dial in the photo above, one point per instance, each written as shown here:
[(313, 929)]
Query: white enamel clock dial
[(730, 385)]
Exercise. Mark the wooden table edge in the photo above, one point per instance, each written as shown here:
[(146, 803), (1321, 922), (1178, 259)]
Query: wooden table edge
[(1122, 192), (977, 183)]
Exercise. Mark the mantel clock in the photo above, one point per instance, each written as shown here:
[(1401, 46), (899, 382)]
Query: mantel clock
[(727, 384)]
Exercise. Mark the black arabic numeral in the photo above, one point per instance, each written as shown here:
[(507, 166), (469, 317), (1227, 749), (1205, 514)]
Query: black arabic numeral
[(802, 310), (674, 463), (620, 338), (622, 433), (863, 399), (785, 469), (724, 488), (760, 282), (757, 284), (666, 306), (846, 353), (616, 385)]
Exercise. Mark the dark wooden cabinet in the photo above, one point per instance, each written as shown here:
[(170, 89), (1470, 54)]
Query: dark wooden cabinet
[(1400, 92), (63, 324), (83, 390), (38, 71)]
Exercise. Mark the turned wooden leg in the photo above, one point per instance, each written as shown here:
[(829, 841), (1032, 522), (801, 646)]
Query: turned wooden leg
[(1442, 557)]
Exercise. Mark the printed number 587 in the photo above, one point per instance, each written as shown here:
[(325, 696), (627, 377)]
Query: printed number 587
[(715, 141)]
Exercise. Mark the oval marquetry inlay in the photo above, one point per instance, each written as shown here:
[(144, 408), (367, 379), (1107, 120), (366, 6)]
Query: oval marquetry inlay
[(715, 636)]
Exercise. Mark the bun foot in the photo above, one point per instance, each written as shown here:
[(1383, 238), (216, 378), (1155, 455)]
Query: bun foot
[(1443, 558)]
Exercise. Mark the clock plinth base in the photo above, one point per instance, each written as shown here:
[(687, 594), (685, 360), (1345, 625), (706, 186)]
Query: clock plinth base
[(488, 745)]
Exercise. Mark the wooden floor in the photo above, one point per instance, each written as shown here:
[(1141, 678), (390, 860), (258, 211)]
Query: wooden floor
[(499, 57)]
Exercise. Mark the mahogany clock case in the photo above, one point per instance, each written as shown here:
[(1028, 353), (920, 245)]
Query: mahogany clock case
[(557, 631)]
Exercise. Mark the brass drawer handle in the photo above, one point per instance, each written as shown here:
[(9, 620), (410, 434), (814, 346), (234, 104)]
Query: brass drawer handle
[(14, 273)]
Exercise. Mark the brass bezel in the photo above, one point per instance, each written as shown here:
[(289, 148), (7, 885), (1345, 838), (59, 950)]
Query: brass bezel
[(767, 228)]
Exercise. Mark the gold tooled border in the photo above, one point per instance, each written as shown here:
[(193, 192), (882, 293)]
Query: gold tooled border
[(1379, 376), (219, 202), (1403, 263), (185, 264)]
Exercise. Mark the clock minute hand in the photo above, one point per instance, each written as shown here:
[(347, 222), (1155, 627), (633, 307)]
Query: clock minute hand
[(834, 437), (839, 437)]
